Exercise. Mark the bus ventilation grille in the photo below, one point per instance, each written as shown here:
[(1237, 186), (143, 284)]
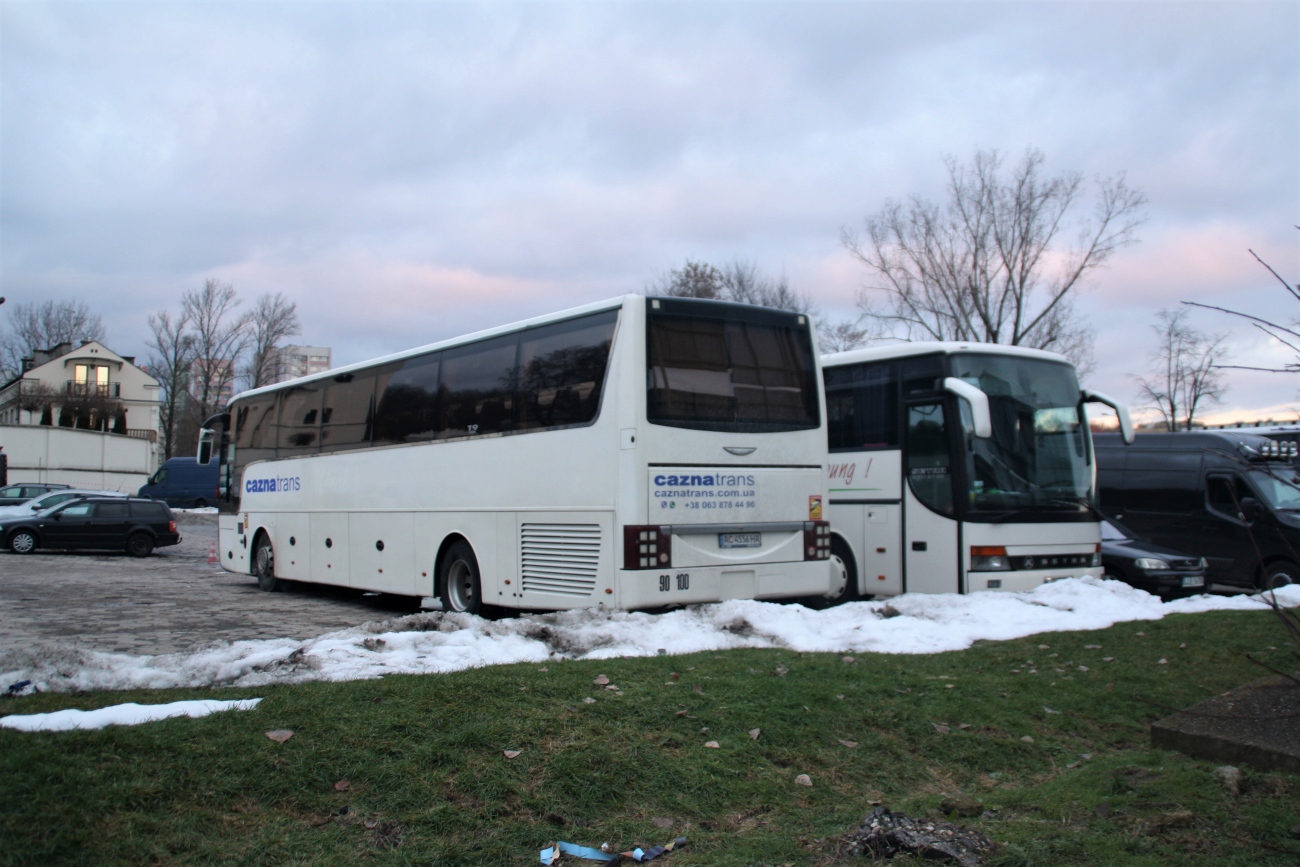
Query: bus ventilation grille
[(560, 558)]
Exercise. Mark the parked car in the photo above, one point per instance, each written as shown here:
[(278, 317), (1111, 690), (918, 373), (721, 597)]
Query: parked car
[(1126, 556), (183, 483), (1230, 497), (51, 499), (21, 493), (105, 523)]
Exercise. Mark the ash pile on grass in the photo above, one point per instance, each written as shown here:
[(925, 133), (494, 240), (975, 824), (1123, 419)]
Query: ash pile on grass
[(885, 834)]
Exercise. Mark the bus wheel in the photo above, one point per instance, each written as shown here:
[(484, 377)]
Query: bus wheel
[(200, 503), (1279, 574), (842, 560), (458, 580), (264, 564)]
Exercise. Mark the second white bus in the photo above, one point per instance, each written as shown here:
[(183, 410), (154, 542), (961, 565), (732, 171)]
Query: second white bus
[(637, 453), (956, 467)]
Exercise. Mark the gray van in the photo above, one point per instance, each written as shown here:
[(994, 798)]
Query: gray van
[(183, 483), (1230, 497)]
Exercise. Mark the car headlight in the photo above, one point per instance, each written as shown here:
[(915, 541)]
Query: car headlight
[(1205, 564), (1150, 563)]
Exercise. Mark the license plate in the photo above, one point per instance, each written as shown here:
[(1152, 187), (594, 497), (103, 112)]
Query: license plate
[(1193, 582), (740, 540)]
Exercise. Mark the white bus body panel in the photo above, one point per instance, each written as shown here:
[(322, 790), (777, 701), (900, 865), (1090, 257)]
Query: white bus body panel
[(543, 511)]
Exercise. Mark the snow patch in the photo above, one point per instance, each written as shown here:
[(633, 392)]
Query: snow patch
[(129, 714), (435, 642)]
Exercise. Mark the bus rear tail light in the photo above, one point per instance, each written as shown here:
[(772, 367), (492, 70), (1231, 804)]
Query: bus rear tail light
[(817, 540), (989, 558), (647, 547)]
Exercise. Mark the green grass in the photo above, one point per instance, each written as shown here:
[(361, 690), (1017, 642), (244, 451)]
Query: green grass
[(429, 783)]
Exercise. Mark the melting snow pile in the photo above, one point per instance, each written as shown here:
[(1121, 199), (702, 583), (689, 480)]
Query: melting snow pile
[(438, 642), (119, 715)]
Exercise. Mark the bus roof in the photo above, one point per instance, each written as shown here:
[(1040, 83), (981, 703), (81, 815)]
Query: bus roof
[(947, 347), (595, 307)]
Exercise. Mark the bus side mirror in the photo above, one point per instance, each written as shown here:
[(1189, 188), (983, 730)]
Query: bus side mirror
[(1125, 422), (207, 436), (981, 418)]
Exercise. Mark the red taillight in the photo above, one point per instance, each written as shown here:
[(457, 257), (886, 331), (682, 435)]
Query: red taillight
[(171, 526), (817, 540), (647, 547)]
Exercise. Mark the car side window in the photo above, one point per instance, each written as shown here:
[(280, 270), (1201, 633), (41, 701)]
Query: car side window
[(11, 492), (111, 511), (149, 512), (76, 510)]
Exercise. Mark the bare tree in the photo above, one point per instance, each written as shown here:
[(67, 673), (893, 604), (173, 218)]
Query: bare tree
[(988, 265), (43, 326), (171, 355), (1288, 336), (35, 396), (1184, 369), (273, 319), (744, 282), (220, 336), (692, 280)]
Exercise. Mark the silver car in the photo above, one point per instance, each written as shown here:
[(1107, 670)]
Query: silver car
[(51, 499)]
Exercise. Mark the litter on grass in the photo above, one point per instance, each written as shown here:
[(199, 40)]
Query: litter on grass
[(438, 642), (551, 854), (129, 714)]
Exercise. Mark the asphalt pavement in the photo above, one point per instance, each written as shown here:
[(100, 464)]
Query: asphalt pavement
[(172, 600)]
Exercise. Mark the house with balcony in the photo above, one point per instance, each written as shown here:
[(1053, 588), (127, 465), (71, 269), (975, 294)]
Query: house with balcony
[(89, 387)]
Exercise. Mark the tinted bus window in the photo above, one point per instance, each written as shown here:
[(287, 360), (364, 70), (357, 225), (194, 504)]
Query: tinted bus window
[(299, 428), (862, 407), (408, 408), (346, 412), (740, 370), (478, 384), (562, 370)]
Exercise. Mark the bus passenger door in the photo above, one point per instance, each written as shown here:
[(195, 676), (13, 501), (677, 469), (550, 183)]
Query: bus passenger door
[(932, 561)]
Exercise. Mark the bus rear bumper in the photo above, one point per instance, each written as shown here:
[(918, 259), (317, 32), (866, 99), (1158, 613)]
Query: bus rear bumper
[(1022, 580), (653, 588)]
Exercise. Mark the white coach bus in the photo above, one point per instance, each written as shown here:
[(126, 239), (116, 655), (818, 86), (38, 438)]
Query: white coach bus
[(957, 467), (637, 453)]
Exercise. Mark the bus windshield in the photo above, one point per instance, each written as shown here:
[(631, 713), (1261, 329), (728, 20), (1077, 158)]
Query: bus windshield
[(1037, 457), (729, 367)]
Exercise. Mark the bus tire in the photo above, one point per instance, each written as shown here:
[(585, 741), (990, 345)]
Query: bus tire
[(1279, 574), (842, 557), (264, 564), (459, 586)]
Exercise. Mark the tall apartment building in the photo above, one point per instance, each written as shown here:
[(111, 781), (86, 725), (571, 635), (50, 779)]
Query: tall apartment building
[(296, 361)]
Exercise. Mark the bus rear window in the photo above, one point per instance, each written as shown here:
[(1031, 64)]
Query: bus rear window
[(728, 367)]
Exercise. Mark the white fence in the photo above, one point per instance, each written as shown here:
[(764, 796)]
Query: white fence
[(81, 458)]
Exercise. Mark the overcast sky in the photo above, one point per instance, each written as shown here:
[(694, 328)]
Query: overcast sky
[(407, 172)]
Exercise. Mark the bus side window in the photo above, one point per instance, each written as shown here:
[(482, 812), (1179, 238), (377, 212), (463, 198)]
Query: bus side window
[(478, 387), (346, 412), (562, 369), (299, 427), (406, 401), (928, 459)]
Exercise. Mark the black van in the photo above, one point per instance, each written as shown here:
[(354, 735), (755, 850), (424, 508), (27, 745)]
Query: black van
[(1231, 497)]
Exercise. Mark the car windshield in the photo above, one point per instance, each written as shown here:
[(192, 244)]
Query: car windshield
[(1111, 533), (1037, 456), (1279, 488)]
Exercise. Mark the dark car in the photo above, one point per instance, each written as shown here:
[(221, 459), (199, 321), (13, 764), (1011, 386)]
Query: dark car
[(1127, 557), (21, 493), (121, 524)]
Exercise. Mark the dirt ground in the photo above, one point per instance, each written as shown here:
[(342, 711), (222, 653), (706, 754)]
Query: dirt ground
[(170, 601)]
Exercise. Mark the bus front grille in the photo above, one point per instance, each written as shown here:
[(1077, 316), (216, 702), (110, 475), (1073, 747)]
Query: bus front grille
[(560, 558)]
